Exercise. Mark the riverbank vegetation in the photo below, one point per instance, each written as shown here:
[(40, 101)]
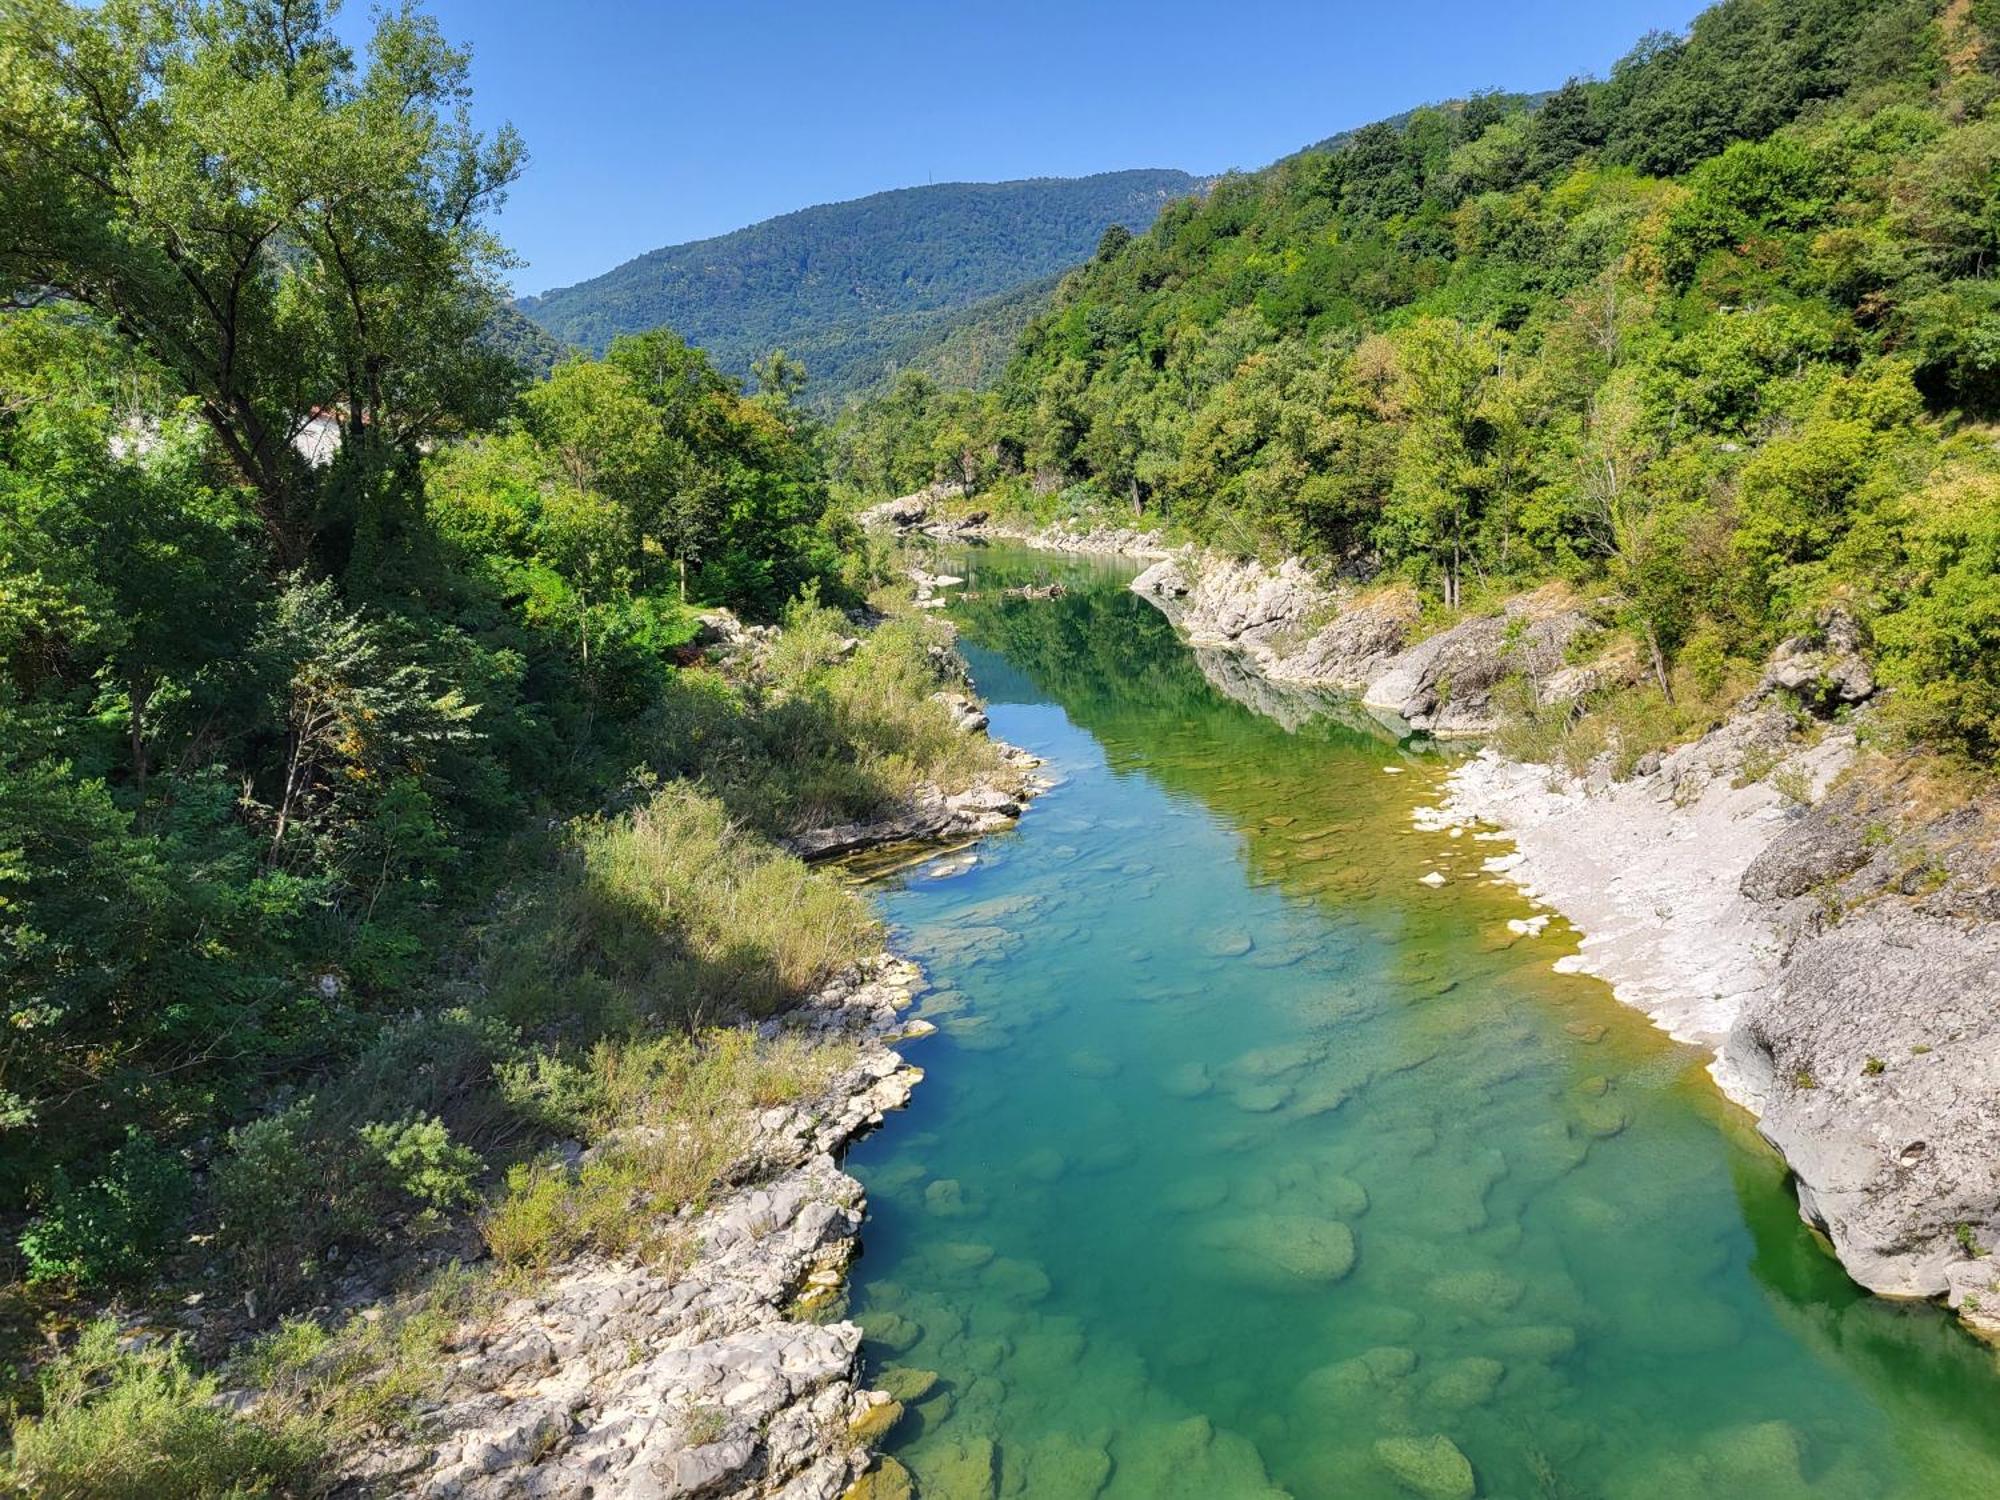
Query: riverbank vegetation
[(1711, 339), (383, 799)]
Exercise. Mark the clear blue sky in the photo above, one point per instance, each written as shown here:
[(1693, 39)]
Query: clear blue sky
[(653, 123)]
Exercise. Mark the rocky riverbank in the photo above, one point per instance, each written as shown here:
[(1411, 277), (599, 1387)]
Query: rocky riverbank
[(932, 815), (923, 514), (1774, 895), (1833, 945), (718, 1379), (1297, 628), (728, 1374)]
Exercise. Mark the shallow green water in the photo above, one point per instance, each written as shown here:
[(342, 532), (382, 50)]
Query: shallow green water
[(1204, 1031)]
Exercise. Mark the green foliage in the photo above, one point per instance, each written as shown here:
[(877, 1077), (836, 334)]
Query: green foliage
[(119, 1424), (1941, 647), (634, 483), (111, 1229), (885, 274), (416, 1159)]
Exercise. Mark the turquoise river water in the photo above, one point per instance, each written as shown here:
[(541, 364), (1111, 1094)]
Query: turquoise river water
[(1248, 1165)]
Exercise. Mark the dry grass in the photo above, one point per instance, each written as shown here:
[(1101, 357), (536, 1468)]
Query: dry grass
[(675, 1117), (819, 731), (673, 915), (136, 1424)]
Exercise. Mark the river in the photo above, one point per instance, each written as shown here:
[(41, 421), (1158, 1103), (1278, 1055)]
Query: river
[(1249, 1165)]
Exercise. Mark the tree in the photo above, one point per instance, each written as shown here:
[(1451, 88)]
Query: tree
[(1563, 129), (1441, 476), (779, 378), (605, 436), (1941, 644), (290, 236), (1639, 531)]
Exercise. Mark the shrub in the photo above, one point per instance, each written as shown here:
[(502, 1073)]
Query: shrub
[(416, 1159), (532, 1225), (1704, 657), (1794, 784), (674, 1111), (551, 1093), (139, 1424), (112, 1229), (295, 1182), (374, 1371), (274, 1197), (440, 1064)]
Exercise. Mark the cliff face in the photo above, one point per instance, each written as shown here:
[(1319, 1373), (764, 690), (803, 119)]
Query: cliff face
[(1874, 1056), (1297, 629), (1835, 943)]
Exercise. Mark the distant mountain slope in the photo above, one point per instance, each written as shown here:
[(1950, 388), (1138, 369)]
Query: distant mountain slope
[(528, 344), (964, 347), (818, 281)]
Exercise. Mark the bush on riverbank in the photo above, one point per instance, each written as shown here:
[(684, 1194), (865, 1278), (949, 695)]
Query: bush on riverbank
[(668, 1116), (125, 1424)]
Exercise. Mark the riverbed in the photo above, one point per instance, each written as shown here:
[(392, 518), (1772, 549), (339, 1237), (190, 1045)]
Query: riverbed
[(1259, 1155)]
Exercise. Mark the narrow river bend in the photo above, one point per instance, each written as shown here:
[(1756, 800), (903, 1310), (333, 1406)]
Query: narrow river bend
[(1248, 1165)]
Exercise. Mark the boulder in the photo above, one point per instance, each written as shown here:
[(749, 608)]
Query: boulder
[(1432, 1467), (1823, 668), (888, 1480), (1445, 684), (1284, 1249)]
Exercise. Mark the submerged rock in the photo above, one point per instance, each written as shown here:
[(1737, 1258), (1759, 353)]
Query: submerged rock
[(1016, 1280), (888, 1480), (906, 1384), (1294, 1249), (1188, 1460), (1060, 1467), (1432, 1467), (1364, 1375), (967, 1470), (1471, 1381)]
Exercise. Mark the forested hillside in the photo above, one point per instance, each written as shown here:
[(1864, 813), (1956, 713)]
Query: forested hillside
[(1716, 339), (847, 285)]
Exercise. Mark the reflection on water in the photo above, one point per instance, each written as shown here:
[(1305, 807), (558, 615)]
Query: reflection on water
[(1249, 1165)]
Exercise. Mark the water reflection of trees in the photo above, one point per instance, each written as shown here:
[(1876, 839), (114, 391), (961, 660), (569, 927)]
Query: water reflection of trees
[(1120, 671), (1915, 1362)]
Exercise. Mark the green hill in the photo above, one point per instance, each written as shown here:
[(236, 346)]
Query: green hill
[(1715, 341), (846, 285)]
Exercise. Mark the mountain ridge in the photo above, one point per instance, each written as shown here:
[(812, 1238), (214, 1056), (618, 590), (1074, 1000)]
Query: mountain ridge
[(819, 276)]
